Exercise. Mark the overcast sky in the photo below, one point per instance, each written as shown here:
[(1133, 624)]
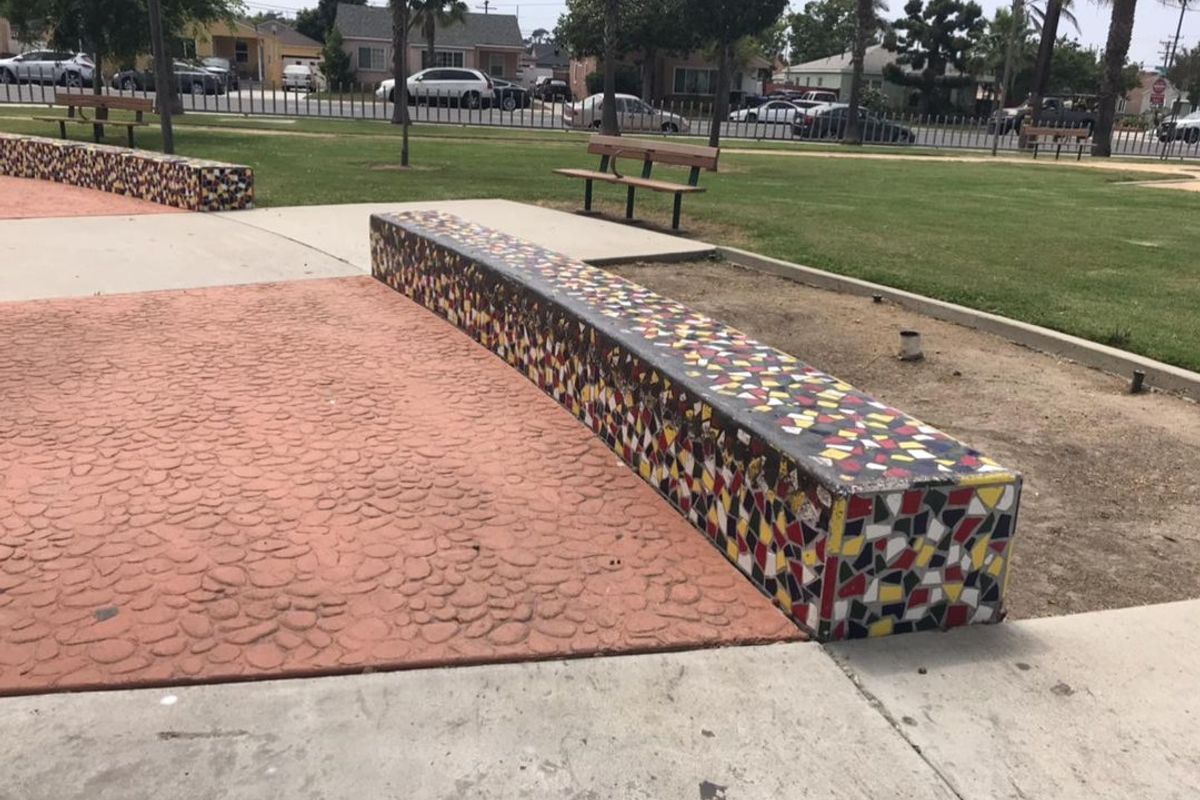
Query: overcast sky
[(1155, 21)]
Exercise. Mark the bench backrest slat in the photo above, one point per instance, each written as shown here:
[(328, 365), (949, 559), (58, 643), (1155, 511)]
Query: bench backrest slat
[(670, 153), (1080, 133), (103, 101)]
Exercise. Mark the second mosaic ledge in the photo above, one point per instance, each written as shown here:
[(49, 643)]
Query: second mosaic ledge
[(855, 518)]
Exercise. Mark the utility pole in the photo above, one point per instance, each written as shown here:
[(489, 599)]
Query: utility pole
[(164, 80)]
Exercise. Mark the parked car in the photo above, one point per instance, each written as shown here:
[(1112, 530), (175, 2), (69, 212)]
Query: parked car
[(774, 111), (467, 88), (806, 99), (74, 70), (1186, 128), (829, 122), (552, 91), (509, 96), (189, 79), (222, 68), (299, 78), (632, 115), (1077, 111)]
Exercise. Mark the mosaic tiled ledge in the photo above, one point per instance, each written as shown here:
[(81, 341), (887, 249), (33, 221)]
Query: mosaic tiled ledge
[(855, 518), (191, 183)]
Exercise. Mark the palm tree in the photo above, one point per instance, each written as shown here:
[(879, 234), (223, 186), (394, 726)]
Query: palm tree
[(427, 15), (866, 23), (1037, 15), (1120, 31)]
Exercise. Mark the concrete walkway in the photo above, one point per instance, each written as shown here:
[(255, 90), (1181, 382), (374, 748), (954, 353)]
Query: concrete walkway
[(1091, 707), (49, 257)]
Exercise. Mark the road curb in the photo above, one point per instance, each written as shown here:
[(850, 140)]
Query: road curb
[(1108, 359)]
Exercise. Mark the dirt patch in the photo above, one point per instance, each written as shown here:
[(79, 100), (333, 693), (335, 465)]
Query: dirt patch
[(1112, 481), (654, 214)]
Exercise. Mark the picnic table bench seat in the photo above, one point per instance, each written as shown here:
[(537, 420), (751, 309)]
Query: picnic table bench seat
[(645, 154)]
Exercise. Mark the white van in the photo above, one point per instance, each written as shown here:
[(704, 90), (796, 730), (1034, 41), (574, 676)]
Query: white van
[(299, 78)]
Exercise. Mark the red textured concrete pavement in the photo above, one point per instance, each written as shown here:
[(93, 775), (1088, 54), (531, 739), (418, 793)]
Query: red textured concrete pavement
[(23, 198), (315, 477)]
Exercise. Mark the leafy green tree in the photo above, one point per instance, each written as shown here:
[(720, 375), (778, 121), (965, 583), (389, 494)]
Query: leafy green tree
[(109, 30), (866, 22), (991, 54), (1185, 74), (723, 23), (335, 62), (929, 39), (427, 15), (823, 28), (645, 27), (1116, 51), (316, 23)]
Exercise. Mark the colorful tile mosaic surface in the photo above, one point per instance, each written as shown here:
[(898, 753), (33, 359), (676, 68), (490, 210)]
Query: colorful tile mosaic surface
[(191, 183), (854, 517)]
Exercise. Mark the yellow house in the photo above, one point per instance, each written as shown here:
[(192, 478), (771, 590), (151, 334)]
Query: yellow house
[(9, 46), (257, 52)]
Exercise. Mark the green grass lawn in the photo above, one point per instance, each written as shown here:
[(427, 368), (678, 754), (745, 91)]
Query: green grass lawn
[(1071, 249)]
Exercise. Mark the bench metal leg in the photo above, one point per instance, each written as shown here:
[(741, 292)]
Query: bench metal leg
[(629, 203), (97, 133), (678, 211), (62, 129), (129, 130), (587, 196)]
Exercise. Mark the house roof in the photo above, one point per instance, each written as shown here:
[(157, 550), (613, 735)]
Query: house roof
[(875, 59), (293, 38), (549, 55), (374, 22)]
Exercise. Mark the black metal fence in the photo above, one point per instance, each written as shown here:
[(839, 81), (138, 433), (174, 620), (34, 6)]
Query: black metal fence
[(518, 108)]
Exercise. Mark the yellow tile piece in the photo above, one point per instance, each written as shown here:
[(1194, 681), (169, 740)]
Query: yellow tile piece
[(881, 628), (780, 561), (783, 598), (836, 455), (810, 558), (925, 555), (731, 550), (991, 495), (853, 546), (709, 480), (837, 526), (995, 567), (891, 593), (953, 590), (765, 534), (979, 552)]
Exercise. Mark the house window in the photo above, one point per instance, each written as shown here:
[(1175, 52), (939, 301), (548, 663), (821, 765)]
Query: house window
[(496, 65), (442, 58), (241, 52), (371, 58), (695, 81), (820, 80)]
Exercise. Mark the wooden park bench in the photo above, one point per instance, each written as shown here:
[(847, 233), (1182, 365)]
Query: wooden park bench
[(1058, 136), (647, 153), (99, 102)]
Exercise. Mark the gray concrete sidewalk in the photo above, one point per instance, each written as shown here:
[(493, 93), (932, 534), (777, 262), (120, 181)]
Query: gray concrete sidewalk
[(760, 722), (341, 230), (1100, 705), (110, 255), (1093, 706)]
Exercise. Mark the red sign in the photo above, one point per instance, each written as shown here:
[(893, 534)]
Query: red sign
[(1159, 87)]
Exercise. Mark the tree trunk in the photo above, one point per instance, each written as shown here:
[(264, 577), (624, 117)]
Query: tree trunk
[(1120, 31), (1045, 57), (721, 101), (400, 19), (431, 42), (649, 68), (1010, 50), (864, 28), (608, 114), (164, 94)]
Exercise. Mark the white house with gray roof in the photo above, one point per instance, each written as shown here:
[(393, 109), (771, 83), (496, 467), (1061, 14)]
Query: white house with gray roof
[(490, 43)]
